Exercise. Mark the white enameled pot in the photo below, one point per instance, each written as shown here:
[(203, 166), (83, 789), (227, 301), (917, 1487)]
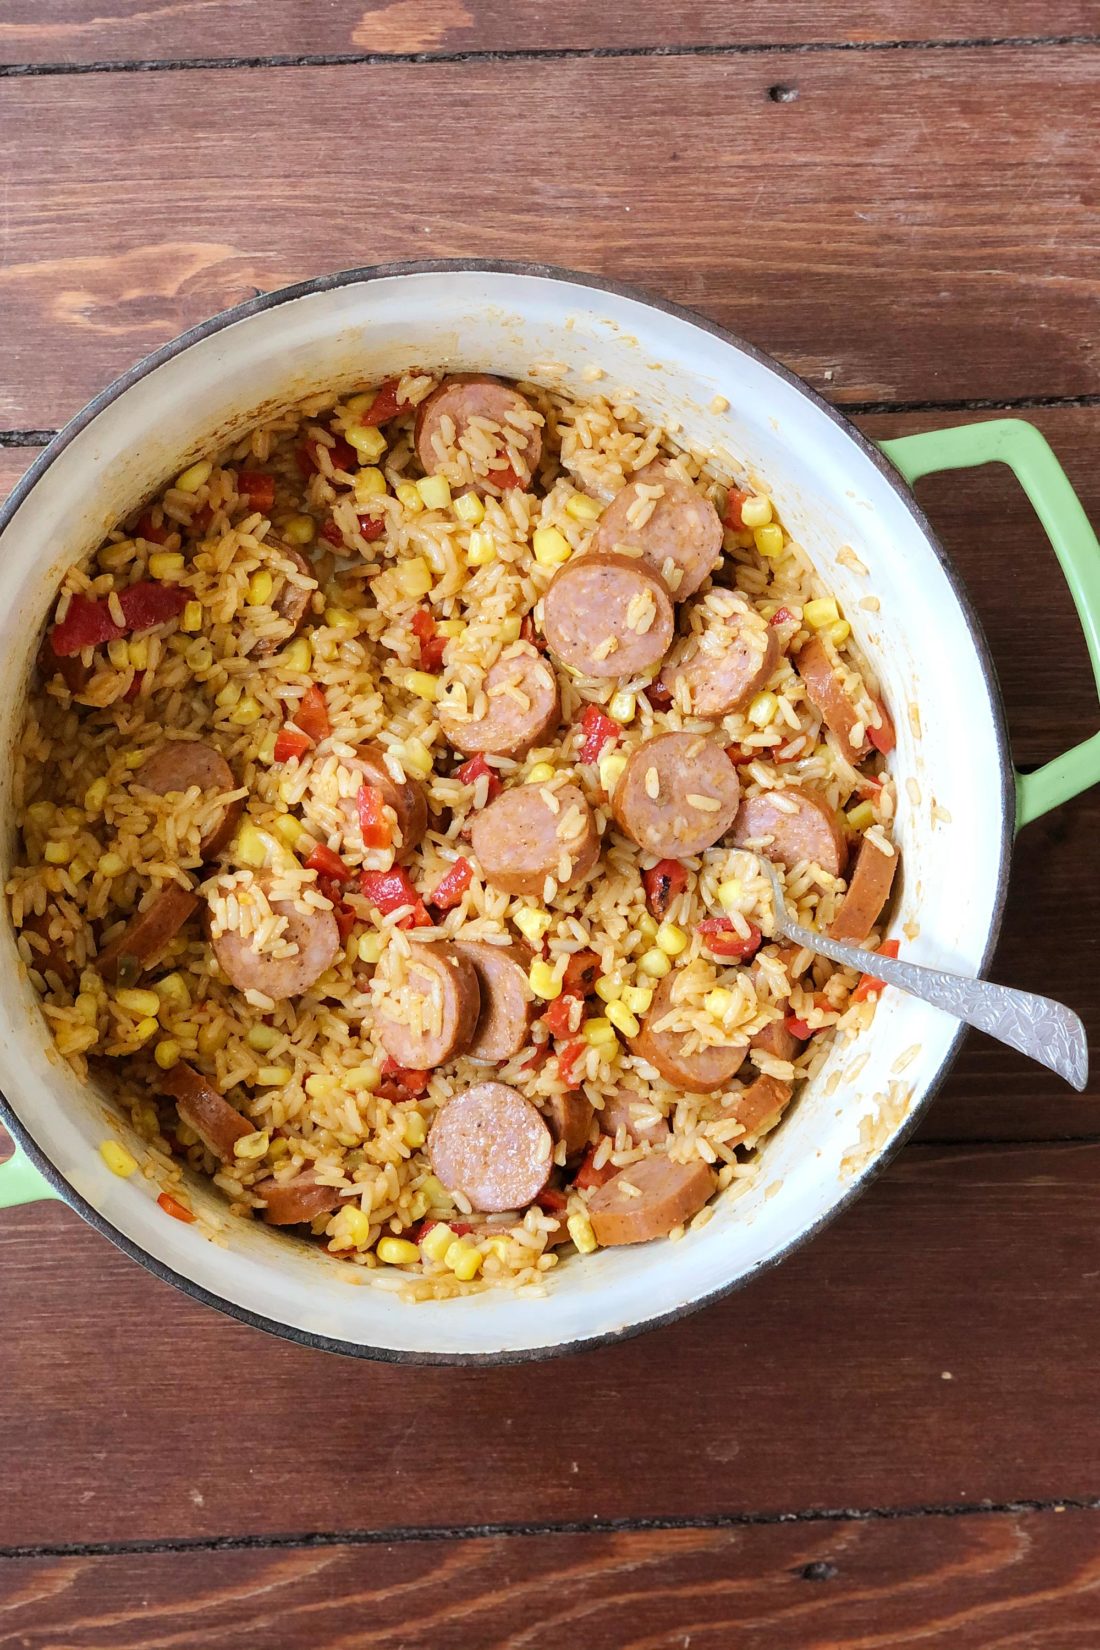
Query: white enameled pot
[(832, 489)]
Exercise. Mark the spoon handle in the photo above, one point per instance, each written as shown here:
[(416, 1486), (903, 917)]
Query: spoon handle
[(1042, 1029)]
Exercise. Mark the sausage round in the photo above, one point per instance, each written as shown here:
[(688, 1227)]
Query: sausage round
[(570, 1118), (48, 955), (407, 799), (507, 1001), (493, 1146), (521, 838), (811, 830), (700, 1072), (697, 792), (670, 1194), (868, 890), (441, 998), (776, 1039), (761, 1104), (218, 1124), (468, 395), (620, 1110), (179, 764), (318, 940), (824, 679), (607, 615), (293, 1202), (148, 932), (682, 537), (292, 603), (722, 668), (524, 708)]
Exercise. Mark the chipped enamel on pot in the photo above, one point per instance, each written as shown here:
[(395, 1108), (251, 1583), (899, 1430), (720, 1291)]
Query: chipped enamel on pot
[(832, 490)]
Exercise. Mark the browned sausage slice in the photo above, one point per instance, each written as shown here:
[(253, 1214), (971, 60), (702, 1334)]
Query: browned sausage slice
[(314, 932), (147, 934), (677, 795), (827, 689), (507, 1001), (293, 1202), (181, 764), (777, 1040), (761, 1104), (523, 708), (570, 1118), (292, 602), (680, 538), (621, 1110), (218, 1124), (492, 1145), (648, 1199), (721, 668), (530, 833), (71, 668), (869, 889), (47, 952), (481, 429), (438, 1001), (607, 615), (407, 799), (792, 825), (700, 1071)]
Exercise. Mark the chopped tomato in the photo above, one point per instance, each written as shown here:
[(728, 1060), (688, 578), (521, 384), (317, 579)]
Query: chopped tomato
[(782, 615), (559, 1015), (146, 530), (373, 824), (529, 632), (342, 456), (389, 890), (403, 1082), (135, 686), (663, 883), (552, 1200), (87, 623), (734, 500), (869, 986), (327, 864), (385, 404), (568, 1057), (431, 646), (451, 886), (883, 738), (504, 478), (257, 488), (341, 910), (470, 772), (581, 973), (173, 1207), (722, 940), (588, 1177), (290, 742), (596, 731), (371, 527), (312, 714), (332, 534), (659, 696)]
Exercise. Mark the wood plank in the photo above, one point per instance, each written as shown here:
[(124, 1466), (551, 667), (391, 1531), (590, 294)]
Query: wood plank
[(926, 1350), (968, 1583), (864, 248), (90, 31)]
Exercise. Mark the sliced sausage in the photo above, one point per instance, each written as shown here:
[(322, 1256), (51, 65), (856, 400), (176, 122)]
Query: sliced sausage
[(507, 1001), (466, 396), (146, 935), (218, 1124), (292, 603), (530, 833), (71, 668), (825, 678), (776, 1039), (698, 1072), (181, 764), (47, 952), (761, 1104), (723, 667), (811, 829), (868, 890), (607, 615), (649, 1199), (407, 799), (681, 538), (439, 1001), (524, 708), (620, 1111), (570, 1118), (677, 795), (493, 1146), (293, 1202), (314, 932)]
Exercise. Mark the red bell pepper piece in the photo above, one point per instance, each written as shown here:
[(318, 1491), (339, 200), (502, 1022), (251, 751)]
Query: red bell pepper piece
[(504, 478), (529, 632), (431, 645), (596, 730), (373, 824), (146, 530), (312, 714), (402, 1082), (782, 615), (135, 686), (559, 1015), (798, 1027), (385, 404), (331, 888), (732, 516), (552, 1200), (87, 623), (332, 534), (257, 487), (869, 986), (327, 864), (581, 973), (659, 696), (389, 890), (291, 742), (739, 757), (568, 1057), (883, 738), (588, 1177), (452, 885), (470, 772), (371, 527), (173, 1207), (340, 453), (663, 883), (722, 940)]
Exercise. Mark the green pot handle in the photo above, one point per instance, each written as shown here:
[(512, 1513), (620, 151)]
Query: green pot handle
[(1020, 445), (20, 1182)]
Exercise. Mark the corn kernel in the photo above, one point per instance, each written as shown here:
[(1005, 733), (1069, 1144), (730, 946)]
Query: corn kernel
[(250, 847), (862, 816), (195, 476), (137, 1001), (654, 963), (134, 759), (551, 547), (611, 767), (416, 1130), (638, 998), (289, 830), (260, 586), (78, 869), (366, 1077), (541, 773), (463, 1260), (111, 865), (424, 686), (839, 632), (769, 540), (449, 627), (410, 498), (41, 815), (87, 1007), (435, 492), (597, 1032), (145, 1029), (199, 656), (228, 695), (481, 549), (371, 947), (166, 1053), (138, 650), (469, 508), (622, 1019), (416, 758), (319, 1086), (762, 710), (820, 612), (300, 530), (367, 439), (647, 925), (622, 706), (757, 512), (358, 403), (262, 1038), (58, 853), (508, 629), (118, 653), (532, 923), (608, 988), (544, 979), (278, 1147), (413, 578), (583, 508), (393, 1251), (338, 618), (212, 1036), (580, 1230), (252, 1146), (671, 939), (118, 1159), (498, 1246), (246, 712), (369, 483), (350, 1228), (730, 894), (719, 1002), (299, 655), (166, 564), (436, 1242)]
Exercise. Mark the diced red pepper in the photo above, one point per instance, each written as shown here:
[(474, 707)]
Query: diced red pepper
[(389, 890), (146, 530), (798, 1027), (202, 518), (581, 973), (883, 738), (538, 1057), (659, 696), (87, 623), (327, 864), (291, 742), (663, 883), (373, 824), (403, 1082), (588, 1177), (732, 516), (739, 757), (470, 772), (332, 534), (257, 487), (331, 888), (135, 686), (870, 986), (341, 455), (559, 1015), (452, 885), (385, 404), (173, 1207), (431, 646), (312, 714), (568, 1056), (504, 478), (529, 632), (782, 615), (596, 731), (371, 527), (552, 1200), (722, 940)]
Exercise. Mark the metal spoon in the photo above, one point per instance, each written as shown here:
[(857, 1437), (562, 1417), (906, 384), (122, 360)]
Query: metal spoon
[(1042, 1029)]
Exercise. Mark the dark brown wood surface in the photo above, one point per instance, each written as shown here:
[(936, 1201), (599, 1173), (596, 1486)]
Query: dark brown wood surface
[(892, 1439)]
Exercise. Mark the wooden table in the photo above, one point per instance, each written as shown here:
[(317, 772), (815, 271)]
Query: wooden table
[(893, 1439)]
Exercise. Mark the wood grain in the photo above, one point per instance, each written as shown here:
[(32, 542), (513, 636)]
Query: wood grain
[(926, 1350), (1002, 1582), (849, 231)]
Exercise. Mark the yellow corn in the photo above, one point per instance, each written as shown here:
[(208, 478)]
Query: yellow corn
[(87, 1007), (262, 1038), (551, 547), (469, 508), (274, 1077), (371, 947), (246, 712), (118, 1159), (111, 865), (95, 796), (318, 1085), (367, 439), (730, 893), (423, 685), (298, 656), (719, 1002), (369, 483), (610, 768), (338, 618), (228, 695), (499, 1247), (463, 1260), (435, 492), (449, 627), (820, 612), (199, 656), (78, 869), (250, 847), (762, 710), (544, 979), (118, 653), (622, 706), (278, 1147), (166, 1053), (671, 939), (252, 1146), (260, 586), (212, 1036), (862, 816), (580, 1230), (41, 815), (608, 988), (413, 577), (622, 1019), (541, 773), (481, 549), (146, 1028), (416, 1130), (839, 632), (532, 923), (583, 508), (195, 476), (166, 564), (416, 758), (647, 925), (769, 540), (365, 1077), (289, 830), (393, 1251), (654, 963), (138, 650), (508, 629), (637, 998), (410, 498), (173, 993), (300, 530), (137, 1001), (757, 512), (598, 1031), (435, 1243), (358, 403), (134, 759), (350, 1228)]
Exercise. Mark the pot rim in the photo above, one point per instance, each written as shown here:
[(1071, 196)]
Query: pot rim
[(593, 283)]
